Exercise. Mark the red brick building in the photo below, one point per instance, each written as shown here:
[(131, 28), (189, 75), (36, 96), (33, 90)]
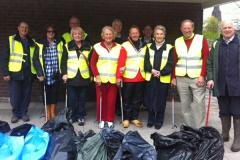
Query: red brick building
[(94, 14)]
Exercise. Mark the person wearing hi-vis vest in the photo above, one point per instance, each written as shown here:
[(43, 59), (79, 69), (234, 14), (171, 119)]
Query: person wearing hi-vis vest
[(191, 53), (131, 73), (104, 63), (47, 60), (158, 65), (73, 22), (76, 74), (18, 70)]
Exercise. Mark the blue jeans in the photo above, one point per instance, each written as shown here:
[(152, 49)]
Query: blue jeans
[(76, 101)]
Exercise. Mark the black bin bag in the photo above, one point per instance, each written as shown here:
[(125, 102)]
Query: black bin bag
[(134, 147), (211, 146), (172, 148), (112, 140), (190, 144), (62, 138)]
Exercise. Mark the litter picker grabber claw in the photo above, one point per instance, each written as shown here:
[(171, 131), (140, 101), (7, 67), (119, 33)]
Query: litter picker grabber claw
[(121, 99), (100, 106), (45, 102), (173, 108), (208, 108)]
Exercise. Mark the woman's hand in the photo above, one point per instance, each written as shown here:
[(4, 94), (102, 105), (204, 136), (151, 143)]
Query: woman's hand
[(64, 78), (98, 80)]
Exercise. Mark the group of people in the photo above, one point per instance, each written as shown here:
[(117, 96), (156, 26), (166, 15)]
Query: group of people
[(140, 68)]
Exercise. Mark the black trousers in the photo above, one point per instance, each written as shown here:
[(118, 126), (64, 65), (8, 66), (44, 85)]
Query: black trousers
[(20, 96), (76, 101), (156, 98), (132, 99)]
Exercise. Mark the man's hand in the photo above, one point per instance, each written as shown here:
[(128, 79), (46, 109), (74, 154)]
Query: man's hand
[(41, 78), (200, 81), (6, 78), (64, 78), (155, 73), (98, 80), (210, 84), (174, 82)]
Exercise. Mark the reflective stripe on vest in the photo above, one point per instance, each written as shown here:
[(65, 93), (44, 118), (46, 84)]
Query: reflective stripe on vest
[(75, 63), (67, 37), (16, 55), (59, 51), (107, 62), (166, 78), (134, 61), (189, 60)]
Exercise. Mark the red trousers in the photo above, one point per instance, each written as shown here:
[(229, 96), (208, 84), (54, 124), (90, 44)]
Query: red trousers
[(108, 92)]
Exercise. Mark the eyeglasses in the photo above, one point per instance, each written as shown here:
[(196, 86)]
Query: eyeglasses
[(50, 31)]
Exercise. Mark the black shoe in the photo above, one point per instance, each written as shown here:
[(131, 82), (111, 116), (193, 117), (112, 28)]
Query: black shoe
[(149, 125), (158, 126), (81, 121), (25, 118), (14, 119)]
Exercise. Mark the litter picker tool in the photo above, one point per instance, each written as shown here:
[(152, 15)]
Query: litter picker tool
[(45, 102), (208, 108), (121, 99), (173, 108)]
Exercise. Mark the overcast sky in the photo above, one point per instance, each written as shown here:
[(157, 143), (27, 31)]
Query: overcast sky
[(229, 11)]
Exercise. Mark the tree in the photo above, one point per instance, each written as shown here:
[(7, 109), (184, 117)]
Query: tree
[(211, 29)]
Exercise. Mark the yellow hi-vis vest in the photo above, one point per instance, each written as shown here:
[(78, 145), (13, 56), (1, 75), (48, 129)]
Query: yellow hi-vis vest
[(189, 60), (59, 50), (107, 62), (166, 78), (67, 37), (16, 55), (134, 61), (75, 63)]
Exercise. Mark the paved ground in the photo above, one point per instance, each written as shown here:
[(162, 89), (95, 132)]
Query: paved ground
[(36, 111)]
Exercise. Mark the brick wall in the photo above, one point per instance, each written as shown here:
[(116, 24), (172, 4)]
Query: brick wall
[(93, 14)]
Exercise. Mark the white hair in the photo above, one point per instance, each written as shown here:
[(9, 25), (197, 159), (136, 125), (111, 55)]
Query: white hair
[(230, 22)]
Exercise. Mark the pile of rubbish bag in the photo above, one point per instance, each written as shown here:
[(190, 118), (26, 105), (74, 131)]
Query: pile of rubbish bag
[(58, 140), (190, 144)]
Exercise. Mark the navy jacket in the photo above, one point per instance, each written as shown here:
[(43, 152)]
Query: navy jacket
[(223, 67)]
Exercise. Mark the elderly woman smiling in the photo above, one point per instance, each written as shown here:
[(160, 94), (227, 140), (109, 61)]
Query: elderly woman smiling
[(104, 63), (76, 74)]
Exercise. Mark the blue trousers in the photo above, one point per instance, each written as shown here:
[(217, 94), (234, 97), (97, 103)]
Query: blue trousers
[(20, 96)]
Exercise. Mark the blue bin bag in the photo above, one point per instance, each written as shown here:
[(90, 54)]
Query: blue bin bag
[(36, 143), (10, 147)]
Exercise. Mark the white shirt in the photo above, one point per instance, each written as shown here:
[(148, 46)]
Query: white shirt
[(227, 41)]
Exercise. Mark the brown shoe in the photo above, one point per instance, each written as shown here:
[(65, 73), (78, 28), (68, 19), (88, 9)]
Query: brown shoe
[(137, 123), (125, 123)]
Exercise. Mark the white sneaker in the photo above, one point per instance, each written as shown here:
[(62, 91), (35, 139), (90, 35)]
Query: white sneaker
[(110, 124), (101, 124)]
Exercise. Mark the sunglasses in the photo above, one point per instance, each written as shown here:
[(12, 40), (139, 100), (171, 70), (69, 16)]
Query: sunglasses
[(50, 31)]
